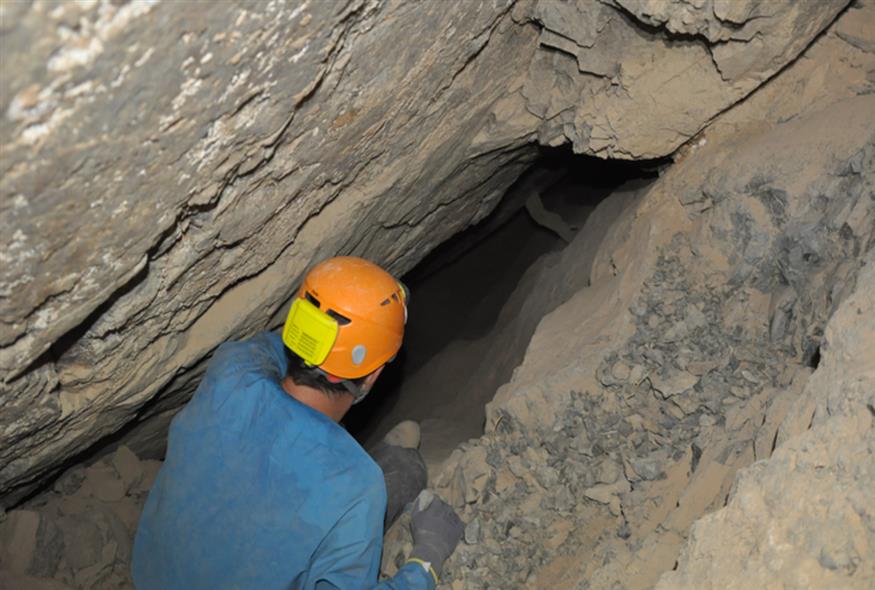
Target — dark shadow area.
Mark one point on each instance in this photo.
(812, 357)
(460, 291)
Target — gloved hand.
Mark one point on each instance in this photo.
(436, 530)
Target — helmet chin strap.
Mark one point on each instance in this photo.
(358, 392)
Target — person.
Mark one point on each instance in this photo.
(262, 487)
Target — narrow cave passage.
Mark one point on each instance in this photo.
(476, 302)
(477, 299)
(701, 415)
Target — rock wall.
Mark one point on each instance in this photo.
(169, 172)
(805, 516)
(725, 330)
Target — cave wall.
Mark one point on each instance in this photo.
(824, 469)
(168, 171)
(705, 421)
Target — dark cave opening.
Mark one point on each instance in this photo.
(478, 297)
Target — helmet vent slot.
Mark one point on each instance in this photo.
(312, 299)
(307, 343)
(341, 319)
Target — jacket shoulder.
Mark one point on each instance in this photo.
(356, 470)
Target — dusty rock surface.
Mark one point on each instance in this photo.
(702, 350)
(806, 516)
(715, 52)
(168, 172)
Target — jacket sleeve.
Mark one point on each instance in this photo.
(349, 556)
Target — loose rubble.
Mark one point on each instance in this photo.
(79, 535)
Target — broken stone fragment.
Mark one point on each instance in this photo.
(102, 482)
(674, 384)
(18, 540)
(398, 543)
(70, 481)
(558, 533)
(700, 368)
(606, 493)
(674, 411)
(563, 500)
(475, 489)
(677, 332)
(504, 479)
(128, 514)
(749, 376)
(515, 464)
(621, 371)
(546, 476)
(739, 392)
(687, 402)
(636, 374)
(706, 420)
(608, 472)
(695, 318)
(83, 541)
(614, 506)
(128, 466)
(472, 532)
(475, 473)
(647, 468)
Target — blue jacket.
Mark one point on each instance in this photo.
(260, 491)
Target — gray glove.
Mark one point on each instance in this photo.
(436, 530)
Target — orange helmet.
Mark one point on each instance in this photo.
(348, 318)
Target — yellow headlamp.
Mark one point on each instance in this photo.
(309, 332)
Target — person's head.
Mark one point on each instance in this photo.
(345, 324)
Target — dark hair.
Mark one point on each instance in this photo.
(301, 374)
